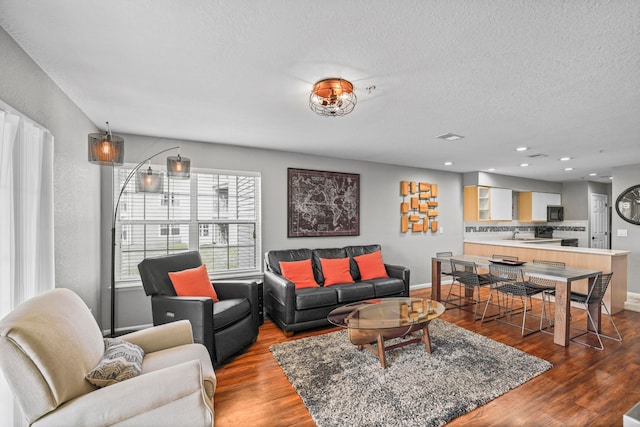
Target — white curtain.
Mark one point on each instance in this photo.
(26, 223)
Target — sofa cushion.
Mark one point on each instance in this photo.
(229, 311)
(315, 297)
(326, 253)
(387, 286)
(193, 282)
(354, 292)
(299, 272)
(273, 258)
(354, 251)
(121, 360)
(336, 271)
(371, 266)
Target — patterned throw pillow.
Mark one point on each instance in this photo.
(121, 361)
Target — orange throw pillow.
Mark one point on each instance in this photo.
(371, 266)
(335, 270)
(193, 282)
(299, 272)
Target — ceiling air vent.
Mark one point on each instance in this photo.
(450, 136)
(537, 156)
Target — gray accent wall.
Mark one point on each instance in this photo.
(623, 178)
(25, 87)
(379, 206)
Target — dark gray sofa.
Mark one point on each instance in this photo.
(300, 309)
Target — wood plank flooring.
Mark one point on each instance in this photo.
(586, 387)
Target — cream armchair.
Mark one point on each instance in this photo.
(49, 343)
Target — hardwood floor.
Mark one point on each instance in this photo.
(586, 387)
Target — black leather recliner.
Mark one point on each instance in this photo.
(227, 327)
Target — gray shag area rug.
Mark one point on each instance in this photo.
(342, 386)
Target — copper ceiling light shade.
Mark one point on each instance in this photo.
(332, 97)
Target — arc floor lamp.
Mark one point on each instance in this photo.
(106, 149)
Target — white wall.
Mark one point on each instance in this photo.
(379, 206)
(25, 87)
(623, 178)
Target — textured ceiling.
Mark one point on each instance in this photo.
(561, 77)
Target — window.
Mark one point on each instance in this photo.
(215, 213)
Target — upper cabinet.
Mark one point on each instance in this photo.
(487, 204)
(532, 206)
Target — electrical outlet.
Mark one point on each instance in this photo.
(622, 233)
(441, 230)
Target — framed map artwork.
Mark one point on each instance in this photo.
(322, 203)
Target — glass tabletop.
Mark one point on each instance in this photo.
(386, 313)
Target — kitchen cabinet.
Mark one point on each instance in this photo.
(532, 205)
(487, 204)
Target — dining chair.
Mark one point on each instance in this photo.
(595, 297)
(445, 267)
(465, 274)
(548, 287)
(508, 283)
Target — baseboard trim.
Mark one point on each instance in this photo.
(633, 302)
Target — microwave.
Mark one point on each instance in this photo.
(555, 213)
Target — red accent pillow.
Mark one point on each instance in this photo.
(299, 272)
(371, 266)
(335, 270)
(193, 282)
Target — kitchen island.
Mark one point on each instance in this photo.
(605, 260)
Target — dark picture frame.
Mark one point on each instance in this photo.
(322, 203)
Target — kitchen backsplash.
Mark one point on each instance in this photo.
(498, 230)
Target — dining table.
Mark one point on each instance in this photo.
(563, 276)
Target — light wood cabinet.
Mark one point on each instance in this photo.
(532, 205)
(487, 204)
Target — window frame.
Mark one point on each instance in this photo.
(193, 222)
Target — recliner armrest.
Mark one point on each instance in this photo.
(236, 289)
(197, 310)
(138, 399)
(162, 337)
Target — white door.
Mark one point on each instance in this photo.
(599, 221)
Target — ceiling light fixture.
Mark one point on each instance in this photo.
(568, 169)
(565, 159)
(332, 97)
(593, 174)
(450, 136)
(522, 148)
(524, 165)
(448, 163)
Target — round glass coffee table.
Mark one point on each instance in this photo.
(372, 322)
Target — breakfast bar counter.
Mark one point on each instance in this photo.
(605, 260)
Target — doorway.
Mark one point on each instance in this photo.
(599, 229)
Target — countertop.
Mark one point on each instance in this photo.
(540, 244)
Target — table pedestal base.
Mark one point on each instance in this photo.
(374, 339)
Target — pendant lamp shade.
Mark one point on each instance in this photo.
(149, 181)
(178, 167)
(106, 149)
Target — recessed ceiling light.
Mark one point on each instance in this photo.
(522, 148)
(568, 169)
(524, 164)
(491, 169)
(450, 136)
(564, 159)
(593, 174)
(610, 177)
(448, 163)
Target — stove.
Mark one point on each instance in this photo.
(543, 231)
